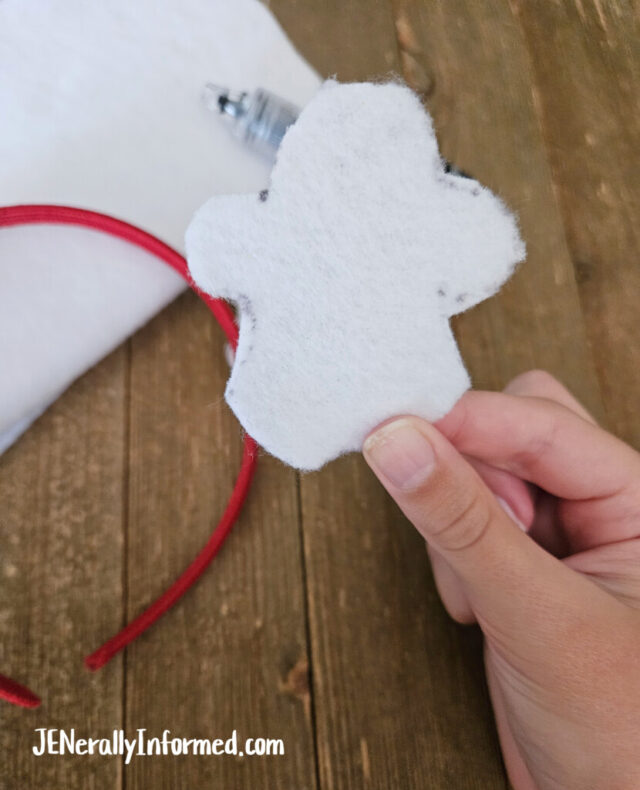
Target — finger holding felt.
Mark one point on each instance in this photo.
(541, 384)
(546, 529)
(542, 442)
(594, 475)
(514, 587)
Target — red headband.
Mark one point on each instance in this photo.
(64, 215)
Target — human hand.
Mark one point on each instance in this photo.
(531, 513)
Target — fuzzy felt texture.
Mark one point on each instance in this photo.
(346, 272)
(100, 107)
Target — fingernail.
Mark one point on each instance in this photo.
(400, 453)
(509, 511)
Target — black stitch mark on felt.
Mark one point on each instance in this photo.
(246, 308)
(455, 171)
(263, 195)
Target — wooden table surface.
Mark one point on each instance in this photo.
(319, 623)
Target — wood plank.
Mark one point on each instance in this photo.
(398, 689)
(232, 654)
(586, 58)
(61, 579)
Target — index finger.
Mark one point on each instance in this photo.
(543, 442)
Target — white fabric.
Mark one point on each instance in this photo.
(346, 274)
(100, 108)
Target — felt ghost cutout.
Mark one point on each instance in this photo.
(346, 271)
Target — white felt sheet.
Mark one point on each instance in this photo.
(100, 108)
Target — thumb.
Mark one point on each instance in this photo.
(514, 587)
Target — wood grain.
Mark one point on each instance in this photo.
(232, 654)
(586, 58)
(61, 489)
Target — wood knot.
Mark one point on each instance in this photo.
(584, 271)
(297, 686)
(416, 75)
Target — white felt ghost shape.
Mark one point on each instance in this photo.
(346, 272)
